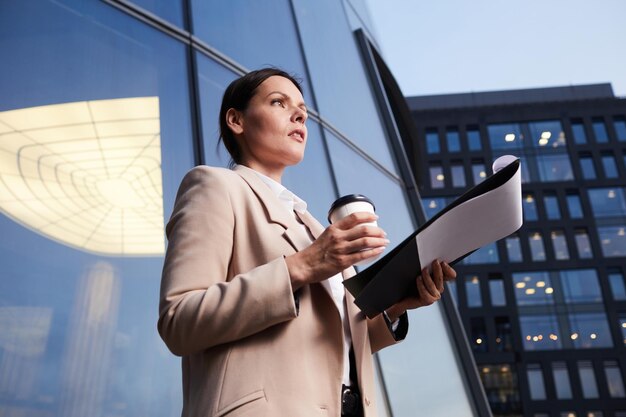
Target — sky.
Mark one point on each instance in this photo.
(461, 46)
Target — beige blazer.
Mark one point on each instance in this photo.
(228, 309)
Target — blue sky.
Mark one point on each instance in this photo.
(453, 46)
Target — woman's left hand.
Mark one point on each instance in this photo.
(429, 287)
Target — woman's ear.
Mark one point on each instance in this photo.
(234, 120)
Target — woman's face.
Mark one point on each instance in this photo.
(272, 131)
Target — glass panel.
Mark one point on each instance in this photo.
(554, 168)
(559, 244)
(620, 128)
(488, 254)
(327, 37)
(437, 179)
(587, 380)
(432, 142)
(581, 286)
(478, 334)
(496, 291)
(607, 202)
(433, 206)
(590, 330)
(458, 176)
(213, 19)
(583, 245)
(609, 166)
(622, 325)
(614, 379)
(472, 290)
(98, 103)
(529, 207)
(478, 172)
(562, 384)
(533, 288)
(453, 141)
(501, 387)
(599, 131)
(551, 204)
(504, 338)
(535, 382)
(574, 206)
(506, 136)
(514, 249)
(548, 134)
(473, 139)
(587, 167)
(168, 10)
(451, 286)
(540, 332)
(612, 240)
(618, 289)
(537, 250)
(578, 129)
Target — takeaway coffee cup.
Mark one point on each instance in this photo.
(349, 204)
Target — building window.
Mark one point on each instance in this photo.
(533, 288)
(578, 130)
(496, 291)
(559, 244)
(472, 291)
(609, 166)
(514, 249)
(562, 384)
(574, 206)
(458, 175)
(548, 134)
(501, 388)
(616, 282)
(589, 330)
(614, 379)
(595, 414)
(619, 123)
(580, 286)
(506, 136)
(607, 202)
(453, 141)
(473, 139)
(537, 249)
(583, 245)
(488, 254)
(436, 176)
(551, 204)
(432, 142)
(540, 332)
(479, 334)
(433, 206)
(599, 131)
(622, 325)
(587, 167)
(535, 381)
(612, 240)
(587, 380)
(554, 168)
(568, 414)
(504, 339)
(529, 207)
(478, 172)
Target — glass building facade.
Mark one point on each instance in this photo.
(104, 106)
(544, 309)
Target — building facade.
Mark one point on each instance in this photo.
(544, 309)
(104, 106)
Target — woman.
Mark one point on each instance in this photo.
(251, 293)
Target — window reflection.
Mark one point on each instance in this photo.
(612, 240)
(587, 378)
(533, 288)
(581, 286)
(535, 382)
(488, 254)
(540, 332)
(548, 134)
(505, 136)
(433, 205)
(554, 168)
(562, 384)
(589, 330)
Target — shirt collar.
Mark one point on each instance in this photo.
(287, 198)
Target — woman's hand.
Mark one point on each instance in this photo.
(429, 287)
(340, 246)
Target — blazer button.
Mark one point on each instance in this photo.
(367, 401)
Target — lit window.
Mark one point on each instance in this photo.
(458, 175)
(540, 332)
(537, 249)
(533, 288)
(583, 245)
(590, 330)
(514, 249)
(559, 245)
(472, 291)
(607, 202)
(612, 240)
(529, 207)
(436, 176)
(478, 172)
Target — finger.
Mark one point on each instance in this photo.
(425, 298)
(359, 256)
(448, 272)
(429, 284)
(359, 231)
(354, 219)
(437, 275)
(362, 244)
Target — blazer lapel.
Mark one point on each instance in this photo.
(275, 211)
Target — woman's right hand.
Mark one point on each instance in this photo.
(340, 246)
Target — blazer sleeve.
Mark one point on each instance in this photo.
(199, 307)
(381, 333)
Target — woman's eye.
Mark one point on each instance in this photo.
(277, 101)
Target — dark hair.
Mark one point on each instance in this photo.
(237, 96)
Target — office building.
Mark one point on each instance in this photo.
(104, 106)
(544, 309)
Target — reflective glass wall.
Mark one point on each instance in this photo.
(104, 107)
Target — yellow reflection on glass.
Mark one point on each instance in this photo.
(86, 174)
